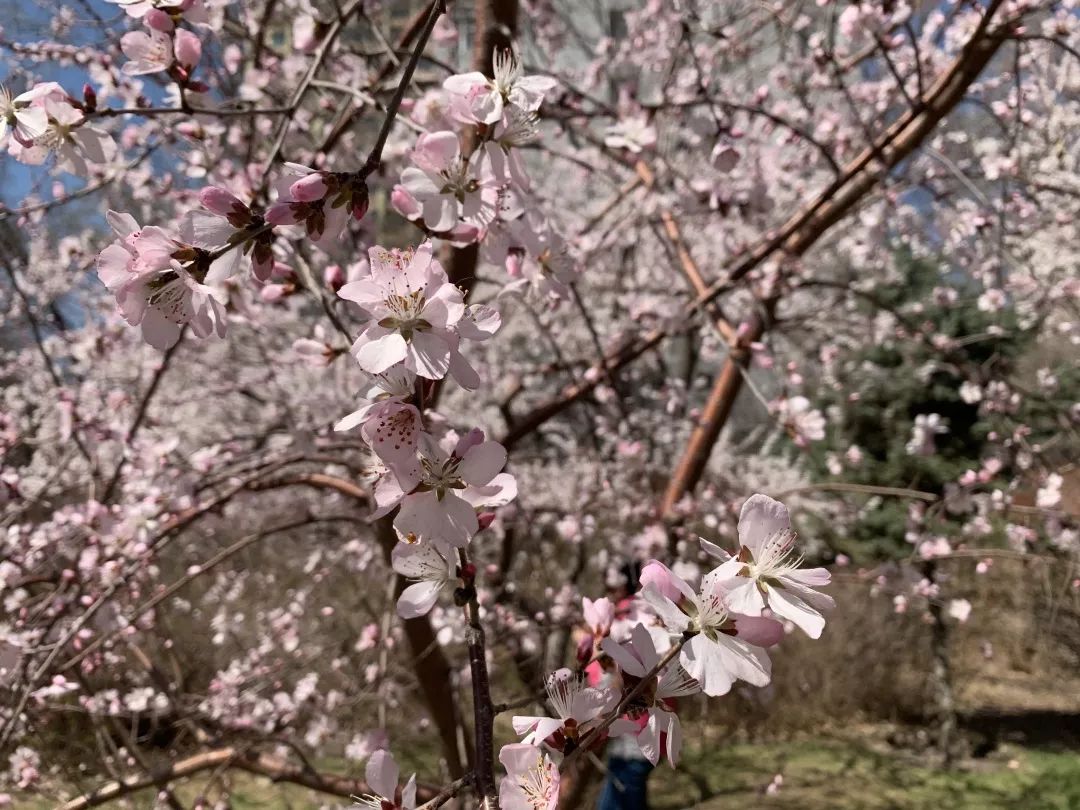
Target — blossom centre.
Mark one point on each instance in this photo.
(439, 476)
(775, 558)
(456, 180)
(405, 311)
(536, 784)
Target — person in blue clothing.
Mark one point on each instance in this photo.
(626, 784)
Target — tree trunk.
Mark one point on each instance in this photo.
(940, 675)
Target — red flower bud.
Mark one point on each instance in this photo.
(89, 98)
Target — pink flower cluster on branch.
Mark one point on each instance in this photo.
(685, 641)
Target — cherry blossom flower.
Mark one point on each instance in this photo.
(413, 311)
(662, 733)
(194, 11)
(503, 152)
(153, 289)
(75, 143)
(960, 609)
(531, 781)
(149, 52)
(187, 48)
(382, 777)
(599, 615)
(631, 134)
(430, 571)
(446, 187)
(390, 426)
(544, 269)
(20, 117)
(394, 385)
(441, 509)
(766, 574)
(804, 421)
(486, 98)
(724, 647)
(575, 706)
(926, 427)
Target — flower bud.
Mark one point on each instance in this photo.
(158, 20)
(405, 203)
(360, 202)
(334, 277)
(660, 577)
(309, 188)
(281, 213)
(220, 201)
(272, 293)
(262, 261)
(485, 519)
(188, 48)
(584, 650)
(89, 98)
(191, 129)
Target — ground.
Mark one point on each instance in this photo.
(849, 772)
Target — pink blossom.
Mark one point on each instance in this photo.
(324, 219)
(723, 647)
(309, 188)
(631, 134)
(599, 615)
(382, 777)
(75, 143)
(766, 574)
(20, 117)
(484, 98)
(149, 52)
(575, 705)
(159, 21)
(187, 48)
(531, 781)
(429, 571)
(662, 580)
(446, 186)
(445, 487)
(662, 733)
(413, 313)
(153, 289)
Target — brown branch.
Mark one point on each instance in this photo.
(891, 148)
(432, 669)
(274, 768)
(812, 221)
(483, 711)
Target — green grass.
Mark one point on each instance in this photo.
(825, 774)
(839, 775)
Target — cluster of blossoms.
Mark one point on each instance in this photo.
(468, 182)
(414, 321)
(46, 121)
(164, 45)
(479, 197)
(680, 641)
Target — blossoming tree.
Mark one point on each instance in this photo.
(265, 477)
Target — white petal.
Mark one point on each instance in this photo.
(787, 604)
(761, 517)
(383, 352)
(482, 462)
(418, 599)
(382, 774)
